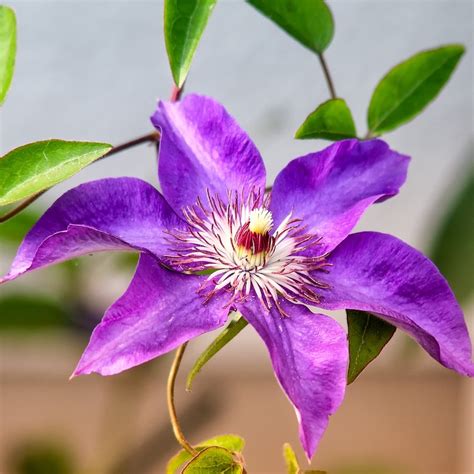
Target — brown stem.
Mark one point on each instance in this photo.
(150, 137)
(170, 399)
(327, 75)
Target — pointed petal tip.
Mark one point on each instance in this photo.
(310, 443)
(87, 369)
(6, 278)
(309, 453)
(77, 372)
(413, 295)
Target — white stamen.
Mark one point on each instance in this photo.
(281, 270)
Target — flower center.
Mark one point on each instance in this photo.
(233, 241)
(253, 239)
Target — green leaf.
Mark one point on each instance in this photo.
(453, 245)
(332, 120)
(230, 442)
(213, 460)
(367, 337)
(7, 49)
(410, 86)
(221, 340)
(30, 313)
(308, 21)
(32, 168)
(292, 464)
(185, 21)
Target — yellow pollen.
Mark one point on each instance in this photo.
(261, 221)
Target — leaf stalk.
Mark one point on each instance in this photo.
(327, 76)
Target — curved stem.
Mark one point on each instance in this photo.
(170, 399)
(327, 75)
(149, 137)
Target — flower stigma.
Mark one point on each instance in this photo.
(253, 240)
(234, 240)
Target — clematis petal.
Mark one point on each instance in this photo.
(329, 190)
(108, 214)
(309, 354)
(202, 147)
(159, 311)
(381, 274)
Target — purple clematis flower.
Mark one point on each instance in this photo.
(272, 256)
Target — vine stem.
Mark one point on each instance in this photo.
(170, 399)
(327, 75)
(149, 137)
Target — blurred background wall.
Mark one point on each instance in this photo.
(93, 70)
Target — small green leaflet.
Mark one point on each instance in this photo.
(308, 21)
(292, 464)
(410, 86)
(332, 120)
(7, 49)
(222, 339)
(32, 168)
(453, 245)
(367, 336)
(184, 24)
(213, 460)
(230, 442)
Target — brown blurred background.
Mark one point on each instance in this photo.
(93, 70)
